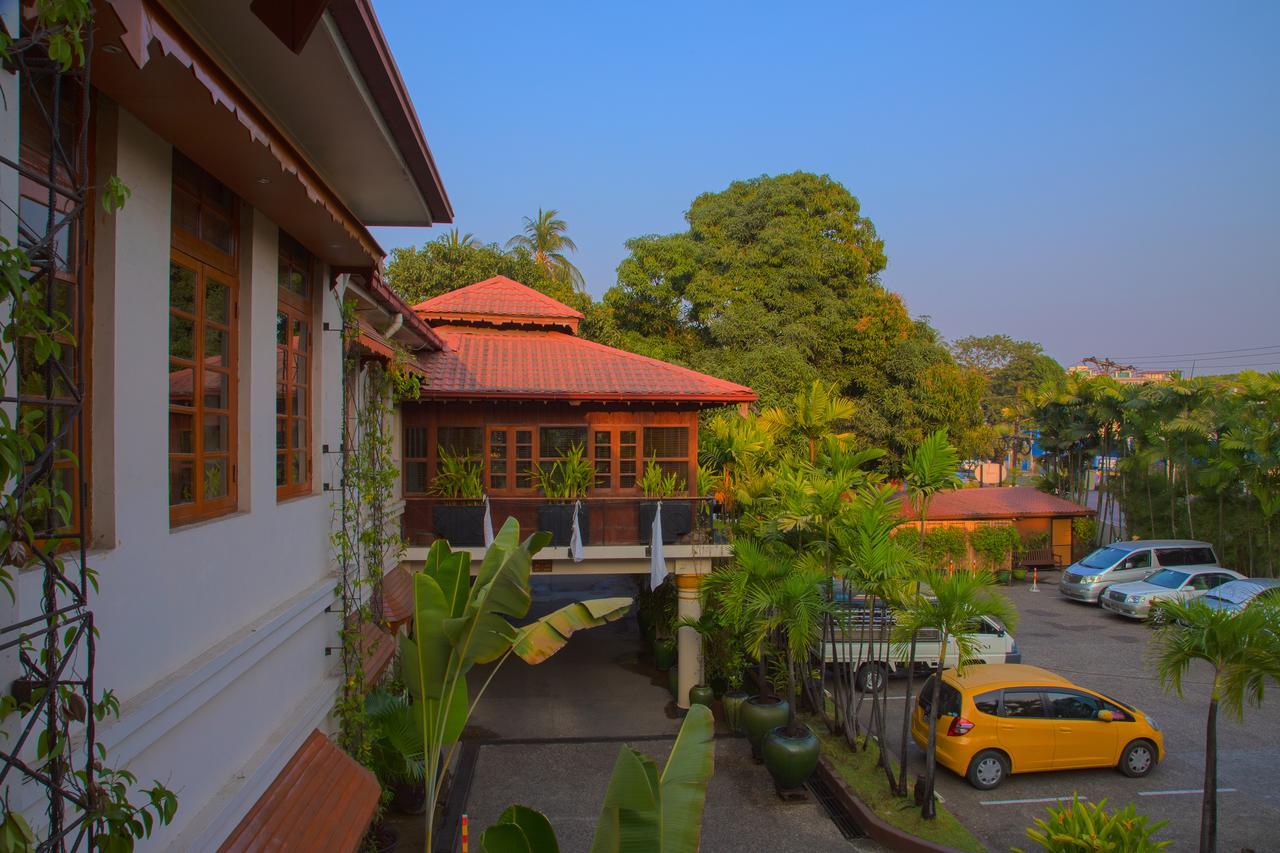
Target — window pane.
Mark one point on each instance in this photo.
(215, 478)
(415, 442)
(216, 390)
(680, 469)
(181, 385)
(186, 213)
(301, 340)
(282, 329)
(281, 355)
(182, 337)
(988, 703)
(215, 347)
(215, 433)
(298, 470)
(299, 401)
(1073, 706)
(217, 304)
(1022, 703)
(282, 394)
(181, 481)
(298, 438)
(280, 468)
(556, 441)
(182, 288)
(300, 370)
(216, 231)
(415, 477)
(666, 442)
(461, 441)
(181, 436)
(282, 433)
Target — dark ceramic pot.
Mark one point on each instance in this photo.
(409, 799)
(732, 701)
(701, 694)
(718, 685)
(790, 758)
(677, 519)
(557, 519)
(664, 653)
(760, 715)
(458, 524)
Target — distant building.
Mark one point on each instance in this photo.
(1124, 374)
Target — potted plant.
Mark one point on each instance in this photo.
(661, 607)
(659, 486)
(791, 612)
(708, 627)
(732, 702)
(458, 478)
(564, 483)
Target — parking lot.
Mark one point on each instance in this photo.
(1107, 653)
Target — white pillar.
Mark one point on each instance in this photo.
(688, 606)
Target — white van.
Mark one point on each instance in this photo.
(1124, 562)
(867, 654)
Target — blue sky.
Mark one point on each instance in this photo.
(1103, 178)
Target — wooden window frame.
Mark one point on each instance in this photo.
(295, 308)
(190, 251)
(688, 460)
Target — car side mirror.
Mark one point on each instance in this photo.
(1000, 632)
(1106, 716)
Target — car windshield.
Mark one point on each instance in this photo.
(1236, 592)
(1168, 578)
(1103, 558)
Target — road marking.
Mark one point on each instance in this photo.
(1184, 791)
(1023, 802)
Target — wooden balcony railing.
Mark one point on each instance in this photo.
(601, 520)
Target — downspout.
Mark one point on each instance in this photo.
(396, 322)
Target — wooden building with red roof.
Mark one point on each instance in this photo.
(514, 386)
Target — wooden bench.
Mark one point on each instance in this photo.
(1039, 558)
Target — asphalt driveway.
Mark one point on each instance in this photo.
(1106, 652)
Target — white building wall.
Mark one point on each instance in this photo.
(213, 635)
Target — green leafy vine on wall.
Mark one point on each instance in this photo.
(364, 538)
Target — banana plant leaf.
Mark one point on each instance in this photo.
(539, 640)
(520, 829)
(644, 812)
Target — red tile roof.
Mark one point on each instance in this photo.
(490, 363)
(1008, 502)
(496, 301)
(322, 800)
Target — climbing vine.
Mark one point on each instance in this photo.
(55, 699)
(365, 539)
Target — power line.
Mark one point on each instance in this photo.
(1240, 357)
(1190, 354)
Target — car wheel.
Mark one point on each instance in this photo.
(1138, 759)
(1157, 617)
(987, 769)
(870, 677)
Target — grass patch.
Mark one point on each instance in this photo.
(861, 773)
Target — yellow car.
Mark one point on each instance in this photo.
(998, 719)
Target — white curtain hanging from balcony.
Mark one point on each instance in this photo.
(575, 540)
(657, 562)
(488, 523)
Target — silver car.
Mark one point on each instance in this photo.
(1135, 599)
(1122, 562)
(1235, 596)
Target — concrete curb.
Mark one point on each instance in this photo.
(876, 828)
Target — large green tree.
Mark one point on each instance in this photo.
(1009, 365)
(775, 284)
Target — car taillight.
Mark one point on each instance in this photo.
(959, 726)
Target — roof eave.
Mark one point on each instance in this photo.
(359, 28)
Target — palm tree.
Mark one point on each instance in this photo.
(956, 607)
(816, 412)
(1243, 650)
(454, 240)
(791, 614)
(544, 238)
(755, 569)
(931, 467)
